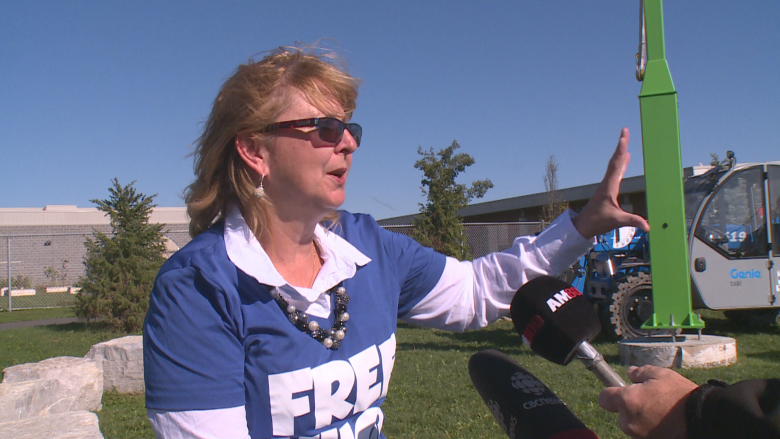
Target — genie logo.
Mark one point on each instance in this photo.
(746, 274)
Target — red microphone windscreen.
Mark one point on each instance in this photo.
(553, 318)
(582, 433)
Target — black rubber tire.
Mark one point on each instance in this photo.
(630, 305)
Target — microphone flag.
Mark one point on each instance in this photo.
(553, 318)
(522, 405)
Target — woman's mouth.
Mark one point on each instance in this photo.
(339, 174)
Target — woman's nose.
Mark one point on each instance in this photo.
(347, 143)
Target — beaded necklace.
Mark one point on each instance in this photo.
(332, 338)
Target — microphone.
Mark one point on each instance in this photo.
(557, 322)
(521, 404)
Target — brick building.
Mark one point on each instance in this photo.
(46, 245)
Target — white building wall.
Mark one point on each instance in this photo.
(53, 237)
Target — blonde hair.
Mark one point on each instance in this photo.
(248, 103)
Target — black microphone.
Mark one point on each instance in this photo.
(557, 322)
(521, 404)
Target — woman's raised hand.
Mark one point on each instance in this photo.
(603, 213)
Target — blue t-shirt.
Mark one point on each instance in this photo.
(215, 338)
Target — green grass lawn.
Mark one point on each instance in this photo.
(123, 416)
(431, 394)
(38, 300)
(24, 315)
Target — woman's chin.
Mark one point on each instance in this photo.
(337, 199)
(331, 204)
(336, 205)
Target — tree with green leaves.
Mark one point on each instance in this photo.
(555, 205)
(714, 159)
(439, 225)
(121, 267)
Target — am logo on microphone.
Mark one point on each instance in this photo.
(561, 297)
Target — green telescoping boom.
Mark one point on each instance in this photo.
(663, 179)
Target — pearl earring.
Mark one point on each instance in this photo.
(260, 192)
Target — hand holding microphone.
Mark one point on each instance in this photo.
(521, 404)
(654, 406)
(557, 322)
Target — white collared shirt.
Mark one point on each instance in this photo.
(341, 260)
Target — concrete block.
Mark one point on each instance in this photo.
(31, 399)
(122, 362)
(69, 425)
(54, 385)
(24, 292)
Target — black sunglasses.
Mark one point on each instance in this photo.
(329, 129)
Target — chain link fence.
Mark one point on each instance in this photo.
(43, 268)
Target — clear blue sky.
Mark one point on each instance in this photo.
(92, 90)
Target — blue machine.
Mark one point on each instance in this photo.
(733, 225)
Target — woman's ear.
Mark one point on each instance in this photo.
(251, 153)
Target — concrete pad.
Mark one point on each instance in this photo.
(24, 292)
(685, 351)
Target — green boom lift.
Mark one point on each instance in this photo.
(663, 178)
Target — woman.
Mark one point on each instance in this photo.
(279, 318)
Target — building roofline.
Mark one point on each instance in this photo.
(70, 215)
(627, 186)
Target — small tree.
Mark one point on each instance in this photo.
(439, 225)
(714, 159)
(555, 205)
(54, 276)
(121, 268)
(18, 282)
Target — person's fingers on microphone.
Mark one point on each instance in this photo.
(626, 424)
(610, 398)
(644, 373)
(629, 402)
